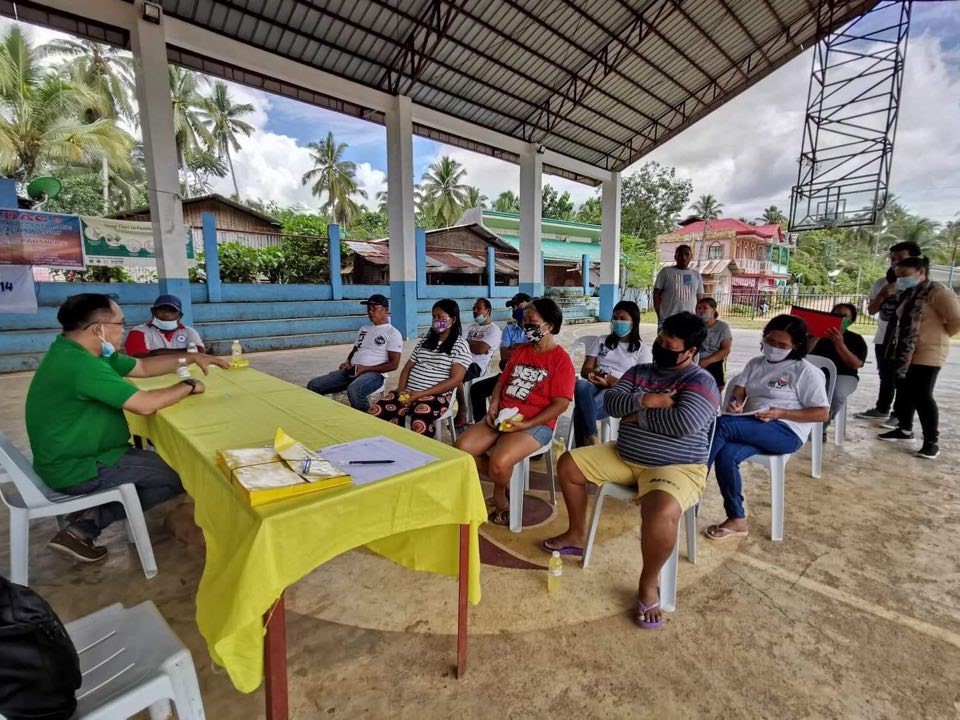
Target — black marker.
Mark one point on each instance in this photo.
(370, 462)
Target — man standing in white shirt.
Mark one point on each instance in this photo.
(678, 288)
(483, 337)
(375, 353)
(883, 303)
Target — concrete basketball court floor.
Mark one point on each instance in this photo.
(855, 614)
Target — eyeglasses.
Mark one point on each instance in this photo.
(121, 323)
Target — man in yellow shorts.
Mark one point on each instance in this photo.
(667, 410)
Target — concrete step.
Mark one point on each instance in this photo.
(282, 342)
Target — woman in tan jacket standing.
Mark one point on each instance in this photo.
(927, 316)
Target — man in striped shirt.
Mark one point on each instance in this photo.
(667, 410)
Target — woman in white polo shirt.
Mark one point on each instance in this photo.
(607, 359)
(775, 403)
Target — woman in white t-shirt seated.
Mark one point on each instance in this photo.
(435, 369)
(607, 359)
(776, 400)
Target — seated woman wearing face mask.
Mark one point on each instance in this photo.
(775, 402)
(607, 359)
(538, 381)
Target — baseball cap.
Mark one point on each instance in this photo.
(169, 301)
(376, 299)
(517, 299)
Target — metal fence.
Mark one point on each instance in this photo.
(765, 305)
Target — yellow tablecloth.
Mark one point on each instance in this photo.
(253, 554)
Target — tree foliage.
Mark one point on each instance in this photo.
(651, 201)
(556, 205)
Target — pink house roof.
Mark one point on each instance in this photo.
(771, 232)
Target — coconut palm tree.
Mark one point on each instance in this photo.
(106, 70)
(914, 228)
(773, 216)
(335, 177)
(507, 202)
(707, 208)
(475, 199)
(190, 133)
(382, 202)
(43, 122)
(224, 120)
(444, 194)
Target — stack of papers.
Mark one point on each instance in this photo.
(356, 454)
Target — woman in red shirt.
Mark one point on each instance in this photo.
(538, 381)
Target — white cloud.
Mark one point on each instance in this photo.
(370, 180)
(745, 153)
(269, 166)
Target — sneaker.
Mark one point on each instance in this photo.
(871, 414)
(891, 422)
(895, 435)
(79, 548)
(929, 451)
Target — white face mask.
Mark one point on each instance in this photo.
(774, 354)
(166, 325)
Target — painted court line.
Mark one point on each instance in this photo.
(857, 603)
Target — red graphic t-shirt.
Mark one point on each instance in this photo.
(532, 380)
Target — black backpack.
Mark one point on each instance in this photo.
(39, 667)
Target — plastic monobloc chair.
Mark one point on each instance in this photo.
(131, 660)
(35, 500)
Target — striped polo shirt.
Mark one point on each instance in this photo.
(432, 367)
(665, 436)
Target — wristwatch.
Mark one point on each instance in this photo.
(191, 382)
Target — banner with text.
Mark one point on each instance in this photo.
(28, 237)
(126, 243)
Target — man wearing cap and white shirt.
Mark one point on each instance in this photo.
(483, 337)
(164, 334)
(375, 353)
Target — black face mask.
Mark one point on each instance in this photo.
(665, 358)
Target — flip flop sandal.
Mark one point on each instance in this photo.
(571, 550)
(643, 610)
(491, 503)
(727, 533)
(499, 517)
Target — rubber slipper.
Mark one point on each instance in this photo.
(571, 550)
(643, 610)
(727, 533)
(499, 517)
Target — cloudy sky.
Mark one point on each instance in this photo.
(743, 153)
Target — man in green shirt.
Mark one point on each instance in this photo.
(75, 420)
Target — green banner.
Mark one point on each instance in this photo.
(126, 243)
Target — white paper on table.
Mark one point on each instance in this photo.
(375, 448)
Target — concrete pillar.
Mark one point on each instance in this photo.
(211, 256)
(400, 220)
(585, 274)
(491, 271)
(8, 193)
(333, 261)
(420, 236)
(160, 155)
(609, 245)
(531, 206)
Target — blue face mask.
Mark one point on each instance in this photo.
(907, 283)
(621, 328)
(106, 347)
(479, 319)
(518, 314)
(166, 325)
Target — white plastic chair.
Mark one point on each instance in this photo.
(816, 441)
(776, 465)
(466, 392)
(579, 345)
(670, 569)
(520, 481)
(36, 500)
(448, 418)
(131, 660)
(840, 425)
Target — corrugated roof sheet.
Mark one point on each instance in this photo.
(603, 81)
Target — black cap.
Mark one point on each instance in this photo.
(376, 299)
(517, 299)
(169, 301)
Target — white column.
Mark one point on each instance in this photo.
(609, 245)
(160, 155)
(531, 206)
(400, 217)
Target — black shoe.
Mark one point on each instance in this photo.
(894, 435)
(871, 414)
(929, 451)
(891, 422)
(77, 547)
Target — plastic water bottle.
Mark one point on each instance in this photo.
(192, 348)
(237, 352)
(182, 370)
(554, 573)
